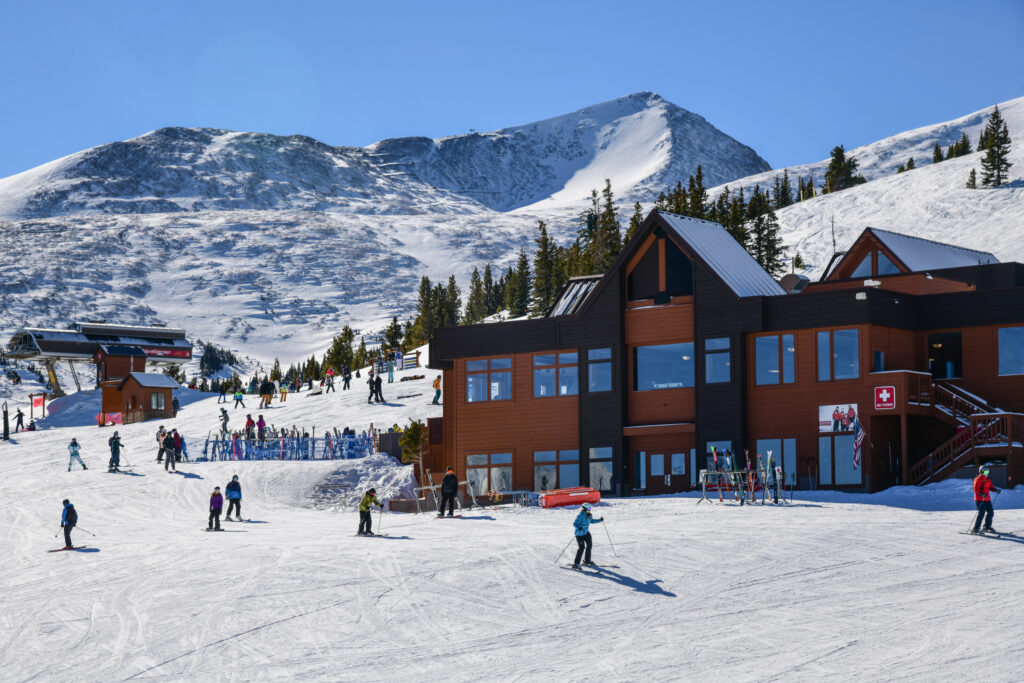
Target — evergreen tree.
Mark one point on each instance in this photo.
(392, 335)
(964, 146)
(425, 321)
(492, 302)
(476, 302)
(696, 195)
(544, 271)
(901, 168)
(735, 224)
(798, 262)
(995, 164)
(517, 290)
(972, 180)
(361, 356)
(910, 164)
(452, 302)
(340, 352)
(413, 442)
(763, 227)
(936, 154)
(786, 197)
(841, 173)
(609, 233)
(634, 222)
(275, 373)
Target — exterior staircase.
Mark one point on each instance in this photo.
(983, 433)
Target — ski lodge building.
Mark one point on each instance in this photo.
(903, 364)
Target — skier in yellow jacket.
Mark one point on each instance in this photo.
(369, 498)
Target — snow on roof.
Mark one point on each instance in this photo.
(153, 379)
(724, 255)
(919, 254)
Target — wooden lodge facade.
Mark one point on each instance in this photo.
(903, 364)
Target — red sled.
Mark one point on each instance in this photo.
(574, 496)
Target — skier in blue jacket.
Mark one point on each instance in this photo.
(583, 538)
(68, 521)
(234, 491)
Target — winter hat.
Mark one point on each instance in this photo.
(234, 478)
(73, 440)
(67, 502)
(115, 433)
(216, 488)
(450, 469)
(373, 491)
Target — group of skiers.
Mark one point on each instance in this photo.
(171, 448)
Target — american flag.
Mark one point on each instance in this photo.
(858, 439)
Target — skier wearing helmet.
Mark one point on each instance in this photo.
(583, 538)
(115, 453)
(369, 498)
(982, 486)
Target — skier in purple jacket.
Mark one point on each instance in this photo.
(216, 505)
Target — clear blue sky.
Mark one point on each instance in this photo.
(790, 79)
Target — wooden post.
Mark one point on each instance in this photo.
(904, 457)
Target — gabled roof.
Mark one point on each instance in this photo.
(724, 255)
(155, 380)
(919, 254)
(574, 294)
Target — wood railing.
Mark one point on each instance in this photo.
(958, 404)
(985, 429)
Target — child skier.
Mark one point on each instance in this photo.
(583, 538)
(982, 486)
(238, 399)
(234, 491)
(115, 453)
(216, 505)
(68, 520)
(369, 498)
(73, 448)
(437, 390)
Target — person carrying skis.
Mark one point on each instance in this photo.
(365, 522)
(169, 453)
(115, 453)
(19, 421)
(73, 448)
(583, 538)
(216, 505)
(449, 489)
(234, 491)
(982, 487)
(68, 521)
(437, 390)
(238, 399)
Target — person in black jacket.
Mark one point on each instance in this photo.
(378, 381)
(169, 453)
(449, 489)
(68, 520)
(115, 453)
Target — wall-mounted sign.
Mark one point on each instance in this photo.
(885, 398)
(837, 417)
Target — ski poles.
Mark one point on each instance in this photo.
(564, 549)
(610, 544)
(85, 530)
(380, 518)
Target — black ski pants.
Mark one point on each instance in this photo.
(330, 388)
(448, 498)
(214, 522)
(365, 521)
(239, 402)
(586, 542)
(115, 460)
(67, 535)
(169, 461)
(236, 505)
(160, 454)
(984, 510)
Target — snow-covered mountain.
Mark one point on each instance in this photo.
(270, 244)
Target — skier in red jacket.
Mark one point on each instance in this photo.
(982, 487)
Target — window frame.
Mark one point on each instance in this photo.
(489, 372)
(1019, 329)
(602, 460)
(489, 467)
(714, 354)
(560, 458)
(785, 360)
(600, 362)
(833, 357)
(560, 360)
(692, 362)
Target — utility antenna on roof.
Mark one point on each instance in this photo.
(833, 234)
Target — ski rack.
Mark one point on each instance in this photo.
(436, 487)
(723, 480)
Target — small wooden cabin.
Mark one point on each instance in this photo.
(140, 396)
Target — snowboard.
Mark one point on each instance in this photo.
(75, 547)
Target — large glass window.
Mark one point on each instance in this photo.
(640, 470)
(825, 460)
(842, 454)
(666, 366)
(838, 355)
(863, 269)
(642, 281)
(487, 472)
(600, 461)
(657, 464)
(489, 380)
(556, 469)
(157, 401)
(717, 361)
(679, 463)
(599, 370)
(1011, 350)
(678, 271)
(555, 374)
(886, 266)
(774, 359)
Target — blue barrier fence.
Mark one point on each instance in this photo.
(327, 447)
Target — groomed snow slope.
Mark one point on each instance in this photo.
(850, 587)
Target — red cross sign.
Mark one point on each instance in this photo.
(885, 398)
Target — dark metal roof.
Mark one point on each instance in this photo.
(121, 350)
(154, 380)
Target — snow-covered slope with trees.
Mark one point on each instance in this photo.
(929, 201)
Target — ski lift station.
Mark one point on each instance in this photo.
(98, 343)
